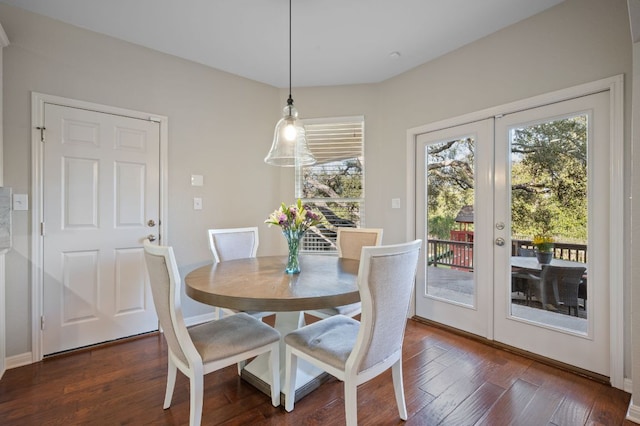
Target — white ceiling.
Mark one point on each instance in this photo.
(334, 41)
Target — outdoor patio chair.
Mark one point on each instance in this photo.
(520, 279)
(557, 286)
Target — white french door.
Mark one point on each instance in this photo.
(466, 277)
(577, 133)
(454, 168)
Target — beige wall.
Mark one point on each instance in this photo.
(576, 42)
(221, 125)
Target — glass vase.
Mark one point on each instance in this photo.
(293, 242)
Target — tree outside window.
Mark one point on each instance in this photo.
(335, 184)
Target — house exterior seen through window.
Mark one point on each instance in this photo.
(335, 184)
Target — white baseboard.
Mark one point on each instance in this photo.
(26, 358)
(633, 413)
(628, 385)
(18, 360)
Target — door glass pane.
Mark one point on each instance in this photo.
(549, 223)
(450, 222)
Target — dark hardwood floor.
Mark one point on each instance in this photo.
(449, 380)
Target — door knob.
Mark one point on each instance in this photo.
(500, 241)
(151, 237)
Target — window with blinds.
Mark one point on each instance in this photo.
(335, 184)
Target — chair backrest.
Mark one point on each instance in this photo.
(525, 252)
(351, 240)
(386, 280)
(564, 281)
(165, 288)
(233, 243)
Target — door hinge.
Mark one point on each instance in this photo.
(42, 322)
(42, 129)
(42, 229)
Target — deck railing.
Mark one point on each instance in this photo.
(455, 254)
(565, 251)
(459, 254)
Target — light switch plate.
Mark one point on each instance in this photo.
(197, 180)
(20, 202)
(395, 203)
(197, 203)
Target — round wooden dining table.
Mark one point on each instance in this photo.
(260, 284)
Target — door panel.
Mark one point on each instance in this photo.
(548, 330)
(455, 213)
(101, 187)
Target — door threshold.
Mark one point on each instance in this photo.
(108, 343)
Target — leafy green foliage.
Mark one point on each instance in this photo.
(335, 183)
(548, 180)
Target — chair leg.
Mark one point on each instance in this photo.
(241, 365)
(351, 403)
(171, 382)
(274, 369)
(196, 397)
(396, 373)
(291, 368)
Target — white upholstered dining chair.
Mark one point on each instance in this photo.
(207, 347)
(231, 244)
(350, 242)
(357, 351)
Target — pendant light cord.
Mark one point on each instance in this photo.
(290, 100)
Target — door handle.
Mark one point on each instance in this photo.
(500, 241)
(151, 237)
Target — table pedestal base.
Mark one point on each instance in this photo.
(308, 377)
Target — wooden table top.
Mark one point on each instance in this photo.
(260, 284)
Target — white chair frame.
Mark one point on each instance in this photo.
(180, 342)
(345, 234)
(220, 255)
(344, 237)
(353, 374)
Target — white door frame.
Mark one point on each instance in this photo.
(4, 42)
(615, 86)
(38, 101)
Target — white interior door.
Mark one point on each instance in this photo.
(100, 200)
(454, 199)
(575, 136)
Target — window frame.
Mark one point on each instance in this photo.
(299, 184)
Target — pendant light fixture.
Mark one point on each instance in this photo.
(289, 147)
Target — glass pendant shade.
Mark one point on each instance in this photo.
(289, 147)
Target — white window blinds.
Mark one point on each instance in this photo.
(336, 141)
